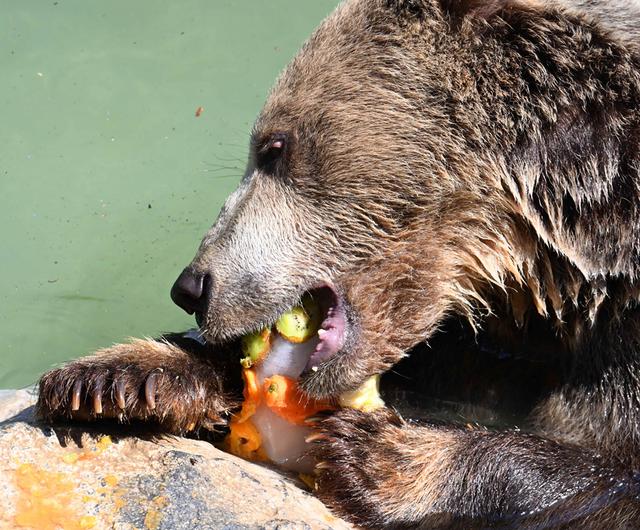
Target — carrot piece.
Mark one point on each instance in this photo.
(252, 396)
(245, 441)
(251, 388)
(282, 395)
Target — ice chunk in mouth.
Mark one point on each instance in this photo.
(272, 422)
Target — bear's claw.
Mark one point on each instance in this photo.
(119, 393)
(150, 386)
(81, 391)
(75, 395)
(149, 381)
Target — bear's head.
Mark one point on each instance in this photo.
(381, 179)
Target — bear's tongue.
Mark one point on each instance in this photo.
(293, 359)
(332, 330)
(330, 339)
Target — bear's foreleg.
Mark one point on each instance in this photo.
(382, 472)
(175, 382)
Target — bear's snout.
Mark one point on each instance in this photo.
(191, 291)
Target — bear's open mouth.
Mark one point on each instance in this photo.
(330, 337)
(332, 330)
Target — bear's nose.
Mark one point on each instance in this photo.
(188, 291)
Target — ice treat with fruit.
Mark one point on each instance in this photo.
(271, 424)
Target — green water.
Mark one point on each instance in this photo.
(107, 179)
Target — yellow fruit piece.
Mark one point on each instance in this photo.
(255, 346)
(301, 322)
(365, 398)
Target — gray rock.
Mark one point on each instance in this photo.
(76, 477)
(12, 402)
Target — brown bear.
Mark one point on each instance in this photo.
(459, 179)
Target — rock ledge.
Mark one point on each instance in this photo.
(74, 478)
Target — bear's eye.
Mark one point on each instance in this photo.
(271, 151)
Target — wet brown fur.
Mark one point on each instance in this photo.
(469, 158)
(189, 393)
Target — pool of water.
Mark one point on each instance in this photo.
(107, 178)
